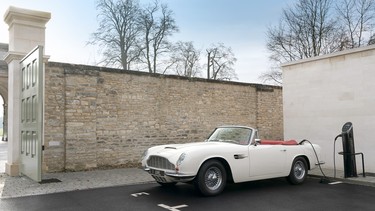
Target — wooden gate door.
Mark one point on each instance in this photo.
(32, 114)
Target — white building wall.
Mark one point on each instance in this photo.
(321, 94)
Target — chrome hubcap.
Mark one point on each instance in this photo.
(213, 178)
(299, 170)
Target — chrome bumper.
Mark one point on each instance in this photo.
(161, 175)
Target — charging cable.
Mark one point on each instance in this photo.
(325, 178)
(334, 155)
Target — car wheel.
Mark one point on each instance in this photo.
(167, 184)
(298, 172)
(211, 178)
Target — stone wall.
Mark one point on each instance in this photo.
(104, 118)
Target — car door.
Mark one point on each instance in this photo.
(238, 158)
(267, 161)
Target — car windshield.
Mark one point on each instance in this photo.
(236, 135)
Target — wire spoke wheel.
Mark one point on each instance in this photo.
(211, 178)
(298, 171)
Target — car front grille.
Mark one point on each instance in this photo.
(159, 179)
(160, 163)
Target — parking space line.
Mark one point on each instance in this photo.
(175, 208)
(335, 183)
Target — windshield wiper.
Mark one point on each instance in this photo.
(231, 141)
(216, 140)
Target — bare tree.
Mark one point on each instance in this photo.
(158, 24)
(118, 32)
(220, 62)
(306, 29)
(185, 59)
(371, 40)
(358, 18)
(315, 27)
(272, 76)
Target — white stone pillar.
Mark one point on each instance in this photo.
(26, 31)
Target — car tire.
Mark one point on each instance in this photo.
(298, 172)
(211, 178)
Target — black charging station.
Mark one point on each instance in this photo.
(347, 136)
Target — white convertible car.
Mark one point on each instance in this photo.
(230, 154)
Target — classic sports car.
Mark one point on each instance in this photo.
(230, 154)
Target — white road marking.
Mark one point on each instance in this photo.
(175, 208)
(139, 194)
(335, 183)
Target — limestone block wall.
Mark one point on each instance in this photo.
(270, 112)
(104, 118)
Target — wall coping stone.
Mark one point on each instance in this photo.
(331, 55)
(80, 69)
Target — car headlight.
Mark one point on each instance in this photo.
(181, 159)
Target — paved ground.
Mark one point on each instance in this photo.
(22, 186)
(274, 194)
(3, 155)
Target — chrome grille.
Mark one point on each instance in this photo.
(159, 179)
(160, 163)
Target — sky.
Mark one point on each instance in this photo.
(239, 24)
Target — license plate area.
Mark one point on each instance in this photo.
(157, 172)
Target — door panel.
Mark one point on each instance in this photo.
(267, 160)
(32, 114)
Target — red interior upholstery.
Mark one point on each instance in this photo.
(290, 142)
(278, 142)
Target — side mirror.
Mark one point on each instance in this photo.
(257, 141)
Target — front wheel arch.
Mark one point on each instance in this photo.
(211, 178)
(226, 166)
